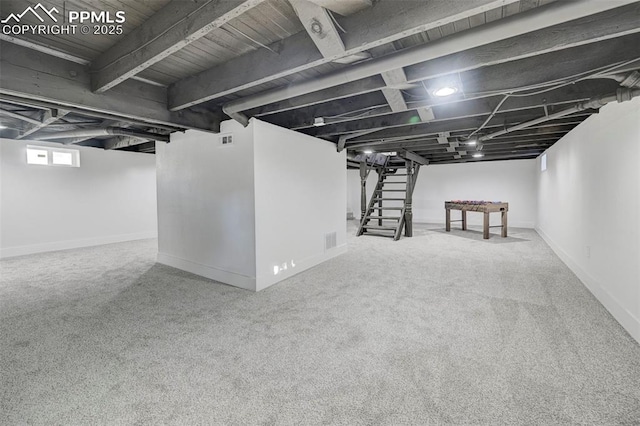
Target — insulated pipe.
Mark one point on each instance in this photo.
(620, 96)
(104, 131)
(631, 79)
(553, 14)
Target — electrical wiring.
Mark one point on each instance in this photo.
(493, 113)
(335, 21)
(571, 80)
(250, 38)
(561, 83)
(367, 110)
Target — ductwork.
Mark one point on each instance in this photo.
(622, 95)
(632, 80)
(553, 14)
(626, 80)
(104, 131)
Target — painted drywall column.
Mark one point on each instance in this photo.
(206, 211)
(588, 204)
(110, 198)
(511, 181)
(301, 192)
(236, 212)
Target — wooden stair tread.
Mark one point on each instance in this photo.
(375, 234)
(383, 217)
(386, 228)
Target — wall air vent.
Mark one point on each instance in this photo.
(330, 241)
(225, 139)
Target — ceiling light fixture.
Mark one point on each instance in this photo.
(472, 141)
(478, 155)
(445, 91)
(2, 126)
(319, 121)
(368, 151)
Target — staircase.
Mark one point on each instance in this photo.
(389, 209)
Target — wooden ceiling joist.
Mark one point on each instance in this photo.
(170, 29)
(37, 76)
(48, 118)
(353, 110)
(608, 25)
(383, 25)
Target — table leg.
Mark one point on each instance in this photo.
(464, 220)
(448, 220)
(504, 224)
(485, 228)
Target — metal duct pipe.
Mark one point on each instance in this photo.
(48, 105)
(104, 131)
(553, 14)
(621, 95)
(631, 79)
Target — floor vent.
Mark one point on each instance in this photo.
(330, 241)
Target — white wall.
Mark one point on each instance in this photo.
(353, 191)
(511, 181)
(110, 198)
(206, 222)
(301, 192)
(588, 204)
(232, 213)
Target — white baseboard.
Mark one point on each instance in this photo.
(213, 273)
(7, 252)
(301, 265)
(627, 319)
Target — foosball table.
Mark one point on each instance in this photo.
(484, 207)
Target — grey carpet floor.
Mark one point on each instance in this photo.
(442, 328)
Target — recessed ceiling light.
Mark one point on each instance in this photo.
(445, 91)
(477, 155)
(472, 141)
(368, 151)
(2, 126)
(319, 121)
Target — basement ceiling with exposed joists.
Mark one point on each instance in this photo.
(367, 75)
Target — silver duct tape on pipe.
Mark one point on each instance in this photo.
(105, 131)
(621, 95)
(553, 14)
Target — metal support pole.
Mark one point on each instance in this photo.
(363, 189)
(408, 213)
(379, 171)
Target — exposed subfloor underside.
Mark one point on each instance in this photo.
(441, 328)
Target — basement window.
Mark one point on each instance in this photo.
(543, 162)
(37, 156)
(47, 156)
